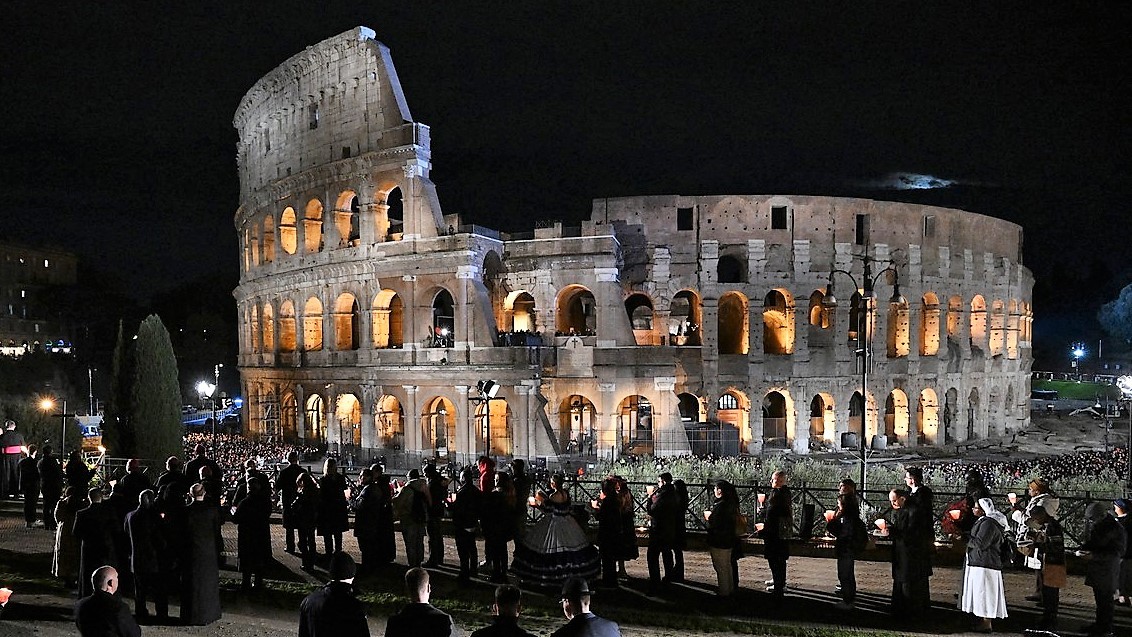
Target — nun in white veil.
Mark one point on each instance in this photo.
(982, 593)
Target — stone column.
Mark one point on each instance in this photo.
(378, 214)
(467, 427)
(667, 426)
(301, 412)
(369, 431)
(413, 420)
(523, 433)
(609, 407)
(333, 435)
(463, 320)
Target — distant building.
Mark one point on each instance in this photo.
(28, 321)
(373, 322)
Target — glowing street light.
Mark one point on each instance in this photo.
(47, 405)
(206, 389)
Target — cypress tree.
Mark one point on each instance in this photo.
(116, 434)
(155, 405)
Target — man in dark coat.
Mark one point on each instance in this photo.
(921, 507)
(11, 450)
(133, 483)
(367, 516)
(28, 472)
(253, 538)
(778, 526)
(505, 614)
(50, 484)
(522, 484)
(251, 472)
(419, 618)
(192, 468)
(437, 493)
(102, 614)
(663, 510)
(94, 530)
(576, 607)
(147, 545)
(286, 486)
(908, 561)
(465, 509)
(1104, 546)
(200, 595)
(334, 610)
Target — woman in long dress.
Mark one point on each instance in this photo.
(982, 592)
(555, 548)
(65, 565)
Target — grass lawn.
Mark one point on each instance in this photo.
(1077, 391)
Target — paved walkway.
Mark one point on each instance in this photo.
(809, 601)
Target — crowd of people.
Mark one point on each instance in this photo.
(160, 538)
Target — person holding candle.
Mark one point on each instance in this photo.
(555, 547)
(607, 510)
(662, 511)
(982, 590)
(778, 526)
(1041, 495)
(721, 536)
(1121, 507)
(1049, 540)
(898, 525)
(921, 508)
(850, 537)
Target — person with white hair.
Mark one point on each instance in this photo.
(983, 594)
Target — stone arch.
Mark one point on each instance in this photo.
(778, 322)
(256, 340)
(312, 227)
(347, 219)
(289, 416)
(389, 420)
(733, 324)
(734, 408)
(347, 322)
(1013, 329)
(995, 425)
(820, 316)
(898, 336)
(287, 336)
(492, 274)
(896, 417)
(978, 322)
(951, 416)
(973, 426)
(776, 411)
(634, 416)
(578, 428)
(348, 419)
(443, 319)
(268, 327)
(395, 214)
(685, 319)
(860, 410)
(691, 408)
(288, 231)
(576, 311)
(639, 308)
(315, 416)
(927, 417)
(954, 316)
(997, 342)
(519, 307)
(730, 269)
(438, 419)
(253, 245)
(823, 418)
(312, 325)
(268, 239)
(929, 324)
(493, 431)
(388, 320)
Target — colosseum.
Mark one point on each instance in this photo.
(376, 323)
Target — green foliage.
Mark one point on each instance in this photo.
(1072, 390)
(1116, 315)
(155, 397)
(116, 434)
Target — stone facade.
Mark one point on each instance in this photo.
(666, 324)
(28, 277)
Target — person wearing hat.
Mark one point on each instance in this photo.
(1104, 546)
(419, 618)
(576, 607)
(1122, 507)
(334, 610)
(662, 509)
(505, 613)
(1040, 496)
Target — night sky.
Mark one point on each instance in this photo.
(116, 139)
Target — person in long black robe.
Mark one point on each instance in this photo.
(365, 521)
(253, 538)
(50, 484)
(386, 546)
(200, 595)
(147, 544)
(94, 530)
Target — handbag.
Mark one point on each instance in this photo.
(740, 524)
(1054, 575)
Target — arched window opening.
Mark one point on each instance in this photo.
(778, 323)
(954, 316)
(684, 319)
(287, 337)
(733, 409)
(312, 227)
(973, 415)
(312, 325)
(348, 419)
(255, 333)
(898, 337)
(576, 312)
(388, 320)
(316, 418)
(997, 343)
(268, 328)
(856, 419)
(820, 315)
(927, 417)
(929, 325)
(634, 417)
(896, 417)
(822, 420)
(347, 213)
(395, 212)
(253, 244)
(443, 320)
(774, 421)
(733, 324)
(978, 322)
(639, 309)
(268, 239)
(288, 232)
(493, 421)
(730, 269)
(577, 426)
(860, 309)
(691, 409)
(347, 323)
(523, 313)
(389, 420)
(289, 417)
(440, 423)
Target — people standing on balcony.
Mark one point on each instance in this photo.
(778, 527)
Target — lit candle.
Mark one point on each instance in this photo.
(955, 513)
(707, 514)
(1013, 497)
(759, 526)
(882, 524)
(649, 489)
(532, 501)
(5, 593)
(829, 516)
(762, 498)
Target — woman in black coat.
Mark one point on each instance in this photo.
(722, 534)
(607, 510)
(497, 522)
(253, 538)
(304, 511)
(333, 512)
(1104, 546)
(78, 474)
(850, 535)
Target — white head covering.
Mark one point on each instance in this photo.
(988, 507)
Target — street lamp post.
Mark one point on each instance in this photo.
(487, 390)
(48, 404)
(864, 336)
(206, 389)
